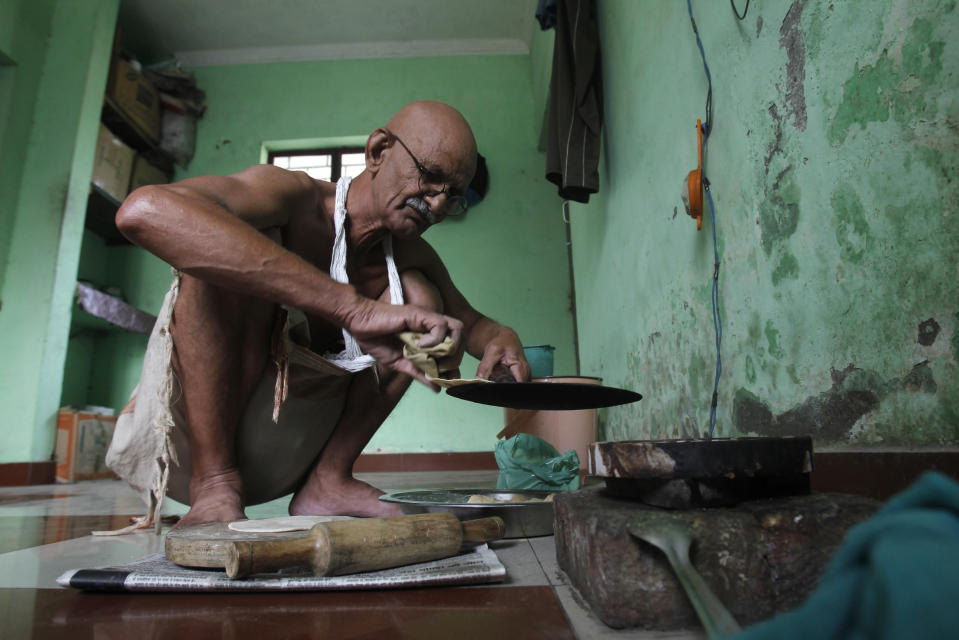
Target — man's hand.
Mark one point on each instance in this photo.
(505, 348)
(375, 325)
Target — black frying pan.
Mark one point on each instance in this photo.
(504, 391)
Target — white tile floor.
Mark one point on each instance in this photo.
(528, 561)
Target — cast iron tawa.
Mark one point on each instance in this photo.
(680, 474)
(544, 396)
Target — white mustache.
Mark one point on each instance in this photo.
(421, 205)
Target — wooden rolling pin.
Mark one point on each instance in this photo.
(353, 546)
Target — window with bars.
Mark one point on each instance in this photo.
(322, 164)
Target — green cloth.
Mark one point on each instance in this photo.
(528, 462)
(895, 576)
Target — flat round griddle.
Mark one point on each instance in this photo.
(692, 473)
(544, 396)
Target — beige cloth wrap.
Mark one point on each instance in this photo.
(425, 357)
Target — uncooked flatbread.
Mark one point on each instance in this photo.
(454, 382)
(478, 498)
(282, 524)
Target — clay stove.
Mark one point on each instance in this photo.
(761, 538)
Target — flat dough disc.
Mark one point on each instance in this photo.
(446, 383)
(282, 524)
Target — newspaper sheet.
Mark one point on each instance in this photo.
(156, 573)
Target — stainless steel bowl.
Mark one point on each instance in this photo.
(522, 519)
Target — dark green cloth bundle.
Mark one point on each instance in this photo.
(895, 576)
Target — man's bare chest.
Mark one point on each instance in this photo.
(312, 240)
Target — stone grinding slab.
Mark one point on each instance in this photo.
(760, 557)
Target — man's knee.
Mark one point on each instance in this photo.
(419, 291)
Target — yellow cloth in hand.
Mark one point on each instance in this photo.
(425, 357)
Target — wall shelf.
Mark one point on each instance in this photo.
(101, 206)
(101, 216)
(133, 135)
(99, 312)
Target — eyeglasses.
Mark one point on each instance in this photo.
(455, 205)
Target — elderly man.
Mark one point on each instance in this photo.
(255, 383)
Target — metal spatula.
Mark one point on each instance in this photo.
(674, 537)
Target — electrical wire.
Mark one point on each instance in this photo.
(745, 10)
(709, 78)
(717, 319)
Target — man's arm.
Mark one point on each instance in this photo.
(209, 227)
(485, 339)
(501, 346)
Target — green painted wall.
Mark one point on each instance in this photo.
(541, 66)
(507, 255)
(103, 365)
(832, 160)
(65, 70)
(78, 373)
(24, 29)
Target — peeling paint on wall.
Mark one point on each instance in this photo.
(833, 416)
(899, 85)
(772, 339)
(779, 214)
(791, 39)
(832, 163)
(852, 229)
(955, 341)
(928, 332)
(788, 267)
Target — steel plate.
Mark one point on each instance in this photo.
(522, 519)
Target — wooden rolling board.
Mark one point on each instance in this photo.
(207, 545)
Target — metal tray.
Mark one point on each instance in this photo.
(522, 519)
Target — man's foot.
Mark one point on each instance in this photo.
(216, 499)
(341, 497)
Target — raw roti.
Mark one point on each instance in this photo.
(454, 382)
(282, 524)
(478, 498)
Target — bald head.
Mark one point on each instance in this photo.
(437, 130)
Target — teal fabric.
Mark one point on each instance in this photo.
(528, 462)
(895, 576)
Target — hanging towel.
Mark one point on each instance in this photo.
(575, 102)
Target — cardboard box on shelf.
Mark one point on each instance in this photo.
(145, 173)
(136, 97)
(112, 164)
(82, 441)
